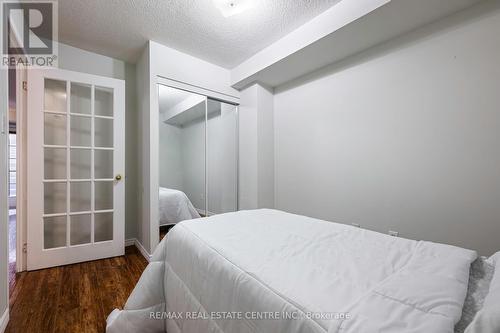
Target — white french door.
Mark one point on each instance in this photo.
(76, 163)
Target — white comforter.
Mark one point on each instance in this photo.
(175, 206)
(328, 277)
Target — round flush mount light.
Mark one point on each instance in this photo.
(232, 7)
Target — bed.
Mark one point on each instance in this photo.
(270, 271)
(175, 206)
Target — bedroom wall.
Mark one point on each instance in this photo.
(256, 148)
(144, 94)
(402, 137)
(248, 175)
(75, 59)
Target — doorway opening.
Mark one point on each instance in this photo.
(12, 173)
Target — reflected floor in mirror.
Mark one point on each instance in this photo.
(164, 229)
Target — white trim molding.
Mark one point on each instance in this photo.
(197, 90)
(4, 320)
(140, 247)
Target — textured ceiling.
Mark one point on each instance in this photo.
(120, 28)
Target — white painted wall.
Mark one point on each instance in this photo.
(248, 175)
(144, 92)
(172, 64)
(403, 137)
(4, 211)
(75, 59)
(256, 148)
(265, 156)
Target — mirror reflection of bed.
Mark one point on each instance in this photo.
(197, 157)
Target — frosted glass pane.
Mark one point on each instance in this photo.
(103, 195)
(54, 232)
(12, 152)
(54, 198)
(103, 132)
(103, 227)
(81, 131)
(80, 229)
(55, 95)
(80, 163)
(54, 129)
(103, 101)
(12, 190)
(80, 98)
(80, 196)
(54, 163)
(103, 163)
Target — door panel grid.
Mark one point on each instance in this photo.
(78, 164)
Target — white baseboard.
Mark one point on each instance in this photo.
(4, 320)
(138, 245)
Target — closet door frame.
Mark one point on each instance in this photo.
(154, 137)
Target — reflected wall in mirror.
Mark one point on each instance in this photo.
(181, 155)
(197, 156)
(221, 157)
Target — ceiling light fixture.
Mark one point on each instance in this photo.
(232, 7)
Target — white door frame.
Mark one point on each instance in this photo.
(38, 257)
(21, 127)
(4, 197)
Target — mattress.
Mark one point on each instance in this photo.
(175, 206)
(270, 271)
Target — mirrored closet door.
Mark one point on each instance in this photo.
(197, 156)
(222, 120)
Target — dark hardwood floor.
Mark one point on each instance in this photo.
(74, 298)
(164, 229)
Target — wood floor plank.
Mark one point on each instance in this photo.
(50, 297)
(90, 313)
(74, 298)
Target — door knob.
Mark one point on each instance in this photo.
(118, 177)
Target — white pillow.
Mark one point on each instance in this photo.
(487, 320)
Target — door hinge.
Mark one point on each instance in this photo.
(25, 86)
(25, 248)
